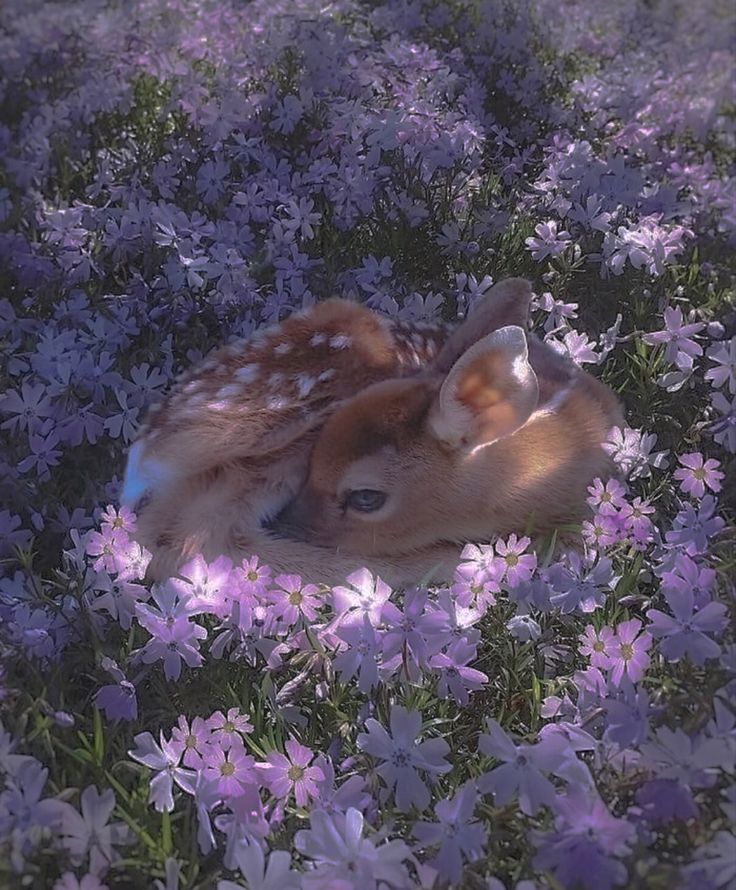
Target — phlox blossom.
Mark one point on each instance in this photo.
(403, 757)
(292, 774)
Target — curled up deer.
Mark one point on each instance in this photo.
(340, 439)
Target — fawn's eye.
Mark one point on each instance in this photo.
(365, 500)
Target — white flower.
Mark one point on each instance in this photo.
(261, 872)
(336, 845)
(88, 832)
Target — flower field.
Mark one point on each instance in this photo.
(177, 174)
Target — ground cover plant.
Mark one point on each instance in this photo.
(177, 173)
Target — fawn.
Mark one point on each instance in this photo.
(340, 439)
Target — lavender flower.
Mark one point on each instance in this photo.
(404, 757)
(459, 837)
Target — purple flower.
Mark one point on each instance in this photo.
(694, 761)
(174, 643)
(724, 428)
(679, 349)
(292, 599)
(118, 700)
(24, 813)
(361, 654)
(581, 851)
(596, 645)
(29, 408)
(522, 769)
(684, 633)
(694, 526)
(190, 742)
(455, 677)
(607, 498)
(117, 597)
(203, 585)
(629, 652)
(285, 775)
(404, 757)
(695, 474)
(664, 800)
(627, 716)
(409, 632)
(460, 838)
(724, 355)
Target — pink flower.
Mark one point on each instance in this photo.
(124, 519)
(291, 599)
(253, 580)
(629, 652)
(227, 731)
(695, 474)
(191, 741)
(204, 585)
(519, 568)
(285, 775)
(602, 531)
(607, 498)
(108, 546)
(231, 771)
(596, 645)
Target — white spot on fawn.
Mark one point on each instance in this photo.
(248, 373)
(232, 389)
(305, 383)
(341, 341)
(283, 348)
(318, 340)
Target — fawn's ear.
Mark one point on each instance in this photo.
(506, 303)
(489, 392)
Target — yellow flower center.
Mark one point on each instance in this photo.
(511, 560)
(227, 768)
(295, 597)
(627, 651)
(295, 773)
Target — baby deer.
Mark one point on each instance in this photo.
(340, 439)
(499, 434)
(230, 444)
